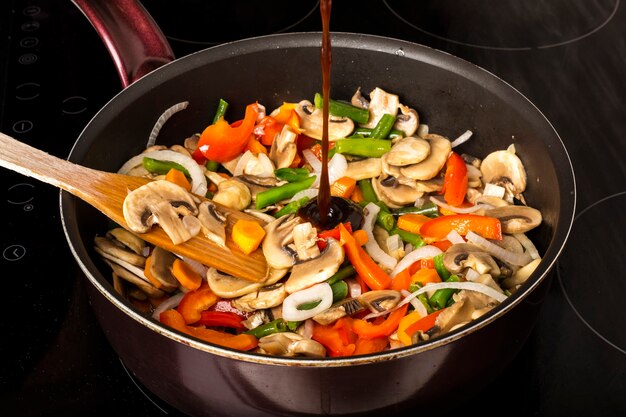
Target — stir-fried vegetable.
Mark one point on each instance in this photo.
(421, 246)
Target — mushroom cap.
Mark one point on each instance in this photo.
(408, 151)
(440, 149)
(316, 270)
(506, 169)
(395, 195)
(381, 103)
(283, 150)
(312, 118)
(408, 121)
(139, 204)
(516, 219)
(279, 234)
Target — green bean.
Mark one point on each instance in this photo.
(384, 218)
(276, 326)
(156, 166)
(293, 325)
(343, 273)
(441, 297)
(443, 273)
(408, 237)
(340, 290)
(366, 147)
(366, 132)
(273, 195)
(221, 110)
(429, 209)
(212, 165)
(343, 109)
(422, 297)
(292, 207)
(292, 174)
(383, 127)
(369, 195)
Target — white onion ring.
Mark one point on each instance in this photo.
(312, 160)
(309, 192)
(417, 304)
(241, 163)
(198, 180)
(354, 288)
(530, 247)
(427, 251)
(454, 237)
(470, 286)
(321, 291)
(372, 247)
(164, 118)
(460, 210)
(171, 302)
(471, 274)
(519, 259)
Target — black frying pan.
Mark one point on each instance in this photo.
(450, 94)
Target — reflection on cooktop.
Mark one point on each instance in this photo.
(210, 23)
(479, 23)
(588, 272)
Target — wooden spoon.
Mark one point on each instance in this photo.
(106, 191)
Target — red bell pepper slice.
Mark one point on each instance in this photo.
(365, 346)
(338, 338)
(423, 324)
(374, 277)
(175, 320)
(195, 302)
(455, 180)
(222, 142)
(439, 227)
(367, 330)
(334, 233)
(221, 319)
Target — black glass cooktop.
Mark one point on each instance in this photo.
(567, 57)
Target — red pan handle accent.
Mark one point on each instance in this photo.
(131, 36)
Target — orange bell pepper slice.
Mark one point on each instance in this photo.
(423, 324)
(195, 302)
(402, 280)
(365, 346)
(455, 180)
(175, 320)
(338, 338)
(369, 330)
(368, 270)
(405, 322)
(439, 227)
(222, 142)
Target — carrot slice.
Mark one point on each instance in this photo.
(412, 222)
(248, 235)
(178, 178)
(184, 273)
(343, 187)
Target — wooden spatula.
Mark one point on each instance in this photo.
(106, 192)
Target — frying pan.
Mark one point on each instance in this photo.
(451, 96)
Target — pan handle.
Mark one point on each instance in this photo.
(131, 36)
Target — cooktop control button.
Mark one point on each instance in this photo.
(22, 126)
(14, 253)
(74, 105)
(27, 91)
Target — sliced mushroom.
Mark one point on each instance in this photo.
(316, 270)
(259, 165)
(278, 235)
(161, 262)
(284, 149)
(457, 314)
(381, 103)
(364, 168)
(460, 256)
(119, 251)
(290, 344)
(345, 307)
(234, 194)
(516, 219)
(159, 202)
(227, 286)
(213, 222)
(132, 278)
(504, 168)
(440, 149)
(191, 143)
(393, 194)
(127, 239)
(521, 275)
(358, 100)
(257, 184)
(380, 300)
(265, 297)
(408, 151)
(407, 121)
(311, 122)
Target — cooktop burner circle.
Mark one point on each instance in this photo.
(590, 270)
(210, 23)
(480, 23)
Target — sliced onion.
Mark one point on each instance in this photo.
(198, 180)
(423, 252)
(460, 210)
(493, 190)
(471, 274)
(354, 288)
(241, 164)
(519, 259)
(372, 247)
(195, 265)
(530, 247)
(171, 302)
(417, 304)
(309, 192)
(422, 130)
(470, 286)
(454, 237)
(312, 160)
(473, 173)
(337, 167)
(321, 292)
(461, 139)
(307, 328)
(126, 265)
(164, 118)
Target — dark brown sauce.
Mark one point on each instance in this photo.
(323, 198)
(326, 212)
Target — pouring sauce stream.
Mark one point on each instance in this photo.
(323, 198)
